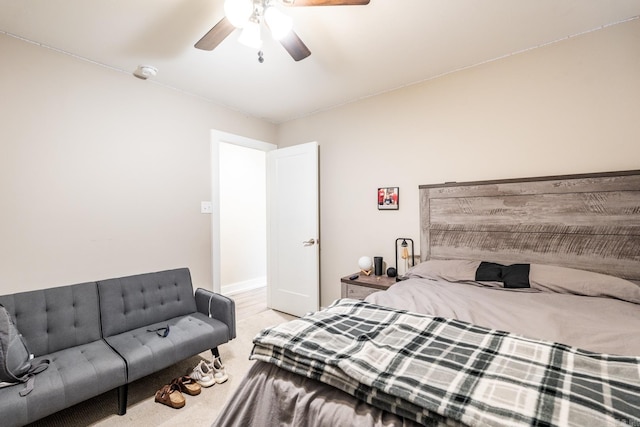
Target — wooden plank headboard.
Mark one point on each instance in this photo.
(587, 221)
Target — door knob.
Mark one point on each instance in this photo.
(309, 242)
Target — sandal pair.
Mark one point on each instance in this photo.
(171, 394)
(187, 385)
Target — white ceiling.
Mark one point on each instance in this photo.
(357, 51)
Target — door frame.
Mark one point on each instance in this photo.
(218, 137)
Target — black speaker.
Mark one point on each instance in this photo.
(377, 265)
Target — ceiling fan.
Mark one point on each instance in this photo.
(248, 15)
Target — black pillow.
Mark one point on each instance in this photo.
(516, 276)
(489, 272)
(513, 276)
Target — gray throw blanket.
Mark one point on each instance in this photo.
(440, 371)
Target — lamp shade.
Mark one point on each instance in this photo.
(279, 23)
(250, 35)
(238, 12)
(365, 263)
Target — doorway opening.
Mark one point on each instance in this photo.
(243, 219)
(239, 220)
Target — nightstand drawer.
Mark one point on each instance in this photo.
(359, 286)
(356, 292)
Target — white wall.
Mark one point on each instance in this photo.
(570, 107)
(243, 216)
(101, 173)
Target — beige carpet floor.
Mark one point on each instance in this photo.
(199, 410)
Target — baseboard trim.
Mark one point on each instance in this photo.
(244, 286)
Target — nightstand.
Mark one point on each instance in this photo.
(364, 285)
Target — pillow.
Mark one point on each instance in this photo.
(564, 280)
(514, 276)
(465, 271)
(489, 271)
(545, 278)
(453, 270)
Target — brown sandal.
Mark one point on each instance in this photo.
(188, 385)
(170, 395)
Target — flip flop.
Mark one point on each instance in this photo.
(187, 385)
(170, 395)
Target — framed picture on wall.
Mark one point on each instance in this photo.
(388, 198)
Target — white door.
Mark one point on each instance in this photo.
(293, 229)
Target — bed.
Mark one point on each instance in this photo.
(524, 310)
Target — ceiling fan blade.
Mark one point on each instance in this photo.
(216, 35)
(325, 2)
(295, 46)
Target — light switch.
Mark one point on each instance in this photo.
(206, 207)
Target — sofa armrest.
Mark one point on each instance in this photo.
(217, 306)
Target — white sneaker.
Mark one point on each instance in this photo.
(219, 374)
(203, 374)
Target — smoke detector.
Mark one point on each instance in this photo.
(145, 71)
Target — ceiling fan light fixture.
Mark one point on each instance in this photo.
(279, 23)
(249, 15)
(238, 12)
(250, 35)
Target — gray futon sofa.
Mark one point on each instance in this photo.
(101, 335)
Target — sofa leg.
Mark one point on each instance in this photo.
(122, 399)
(215, 352)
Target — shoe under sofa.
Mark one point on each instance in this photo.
(100, 336)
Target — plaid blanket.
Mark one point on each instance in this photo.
(440, 371)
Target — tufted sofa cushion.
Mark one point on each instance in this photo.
(56, 318)
(74, 375)
(138, 301)
(146, 352)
